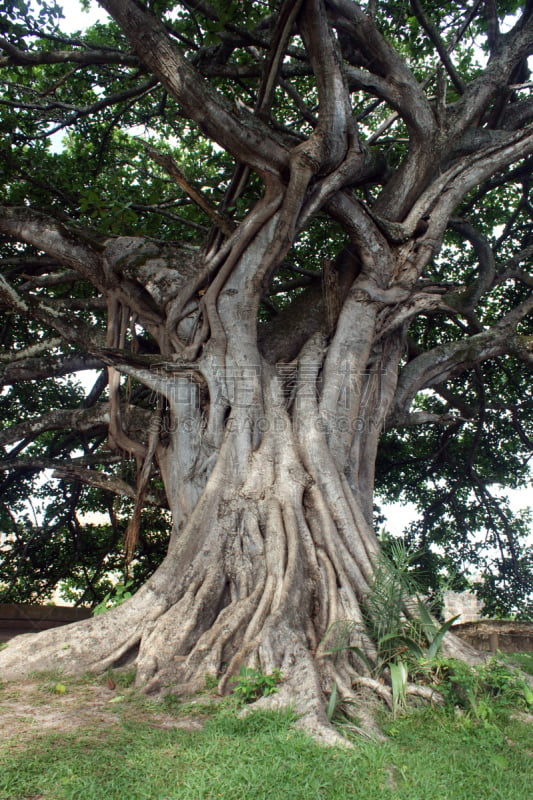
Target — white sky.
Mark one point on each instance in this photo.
(77, 19)
(399, 515)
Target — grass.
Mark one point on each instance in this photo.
(524, 661)
(429, 755)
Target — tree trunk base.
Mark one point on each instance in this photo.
(124, 634)
(275, 555)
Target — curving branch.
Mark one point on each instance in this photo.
(434, 36)
(286, 18)
(76, 471)
(395, 83)
(236, 129)
(448, 189)
(100, 480)
(416, 418)
(335, 126)
(45, 346)
(71, 247)
(31, 369)
(513, 48)
(166, 161)
(90, 57)
(84, 253)
(79, 112)
(80, 419)
(71, 329)
(467, 300)
(453, 358)
(383, 62)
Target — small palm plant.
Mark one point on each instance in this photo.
(400, 637)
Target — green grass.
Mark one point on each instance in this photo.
(429, 755)
(524, 661)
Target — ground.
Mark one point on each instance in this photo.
(38, 705)
(66, 738)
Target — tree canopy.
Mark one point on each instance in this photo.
(166, 125)
(98, 142)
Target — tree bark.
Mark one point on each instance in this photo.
(268, 472)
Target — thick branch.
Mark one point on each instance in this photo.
(453, 358)
(282, 338)
(415, 418)
(17, 57)
(286, 17)
(72, 329)
(31, 369)
(448, 189)
(34, 350)
(83, 419)
(512, 48)
(469, 299)
(70, 247)
(334, 117)
(75, 471)
(236, 130)
(383, 61)
(169, 165)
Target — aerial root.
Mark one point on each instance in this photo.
(379, 688)
(425, 692)
(209, 652)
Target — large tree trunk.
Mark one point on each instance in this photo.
(276, 550)
(266, 434)
(268, 470)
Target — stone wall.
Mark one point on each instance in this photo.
(25, 618)
(465, 604)
(492, 635)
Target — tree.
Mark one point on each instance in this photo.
(297, 253)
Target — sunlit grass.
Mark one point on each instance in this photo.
(524, 661)
(429, 755)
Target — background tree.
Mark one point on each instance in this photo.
(276, 229)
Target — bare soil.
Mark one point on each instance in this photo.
(38, 705)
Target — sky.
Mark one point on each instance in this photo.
(77, 19)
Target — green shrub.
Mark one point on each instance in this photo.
(118, 595)
(481, 691)
(251, 684)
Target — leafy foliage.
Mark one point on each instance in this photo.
(483, 691)
(119, 593)
(251, 684)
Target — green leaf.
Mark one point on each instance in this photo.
(399, 675)
(398, 639)
(332, 703)
(434, 647)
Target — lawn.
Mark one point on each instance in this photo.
(100, 740)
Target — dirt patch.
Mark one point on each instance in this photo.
(31, 708)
